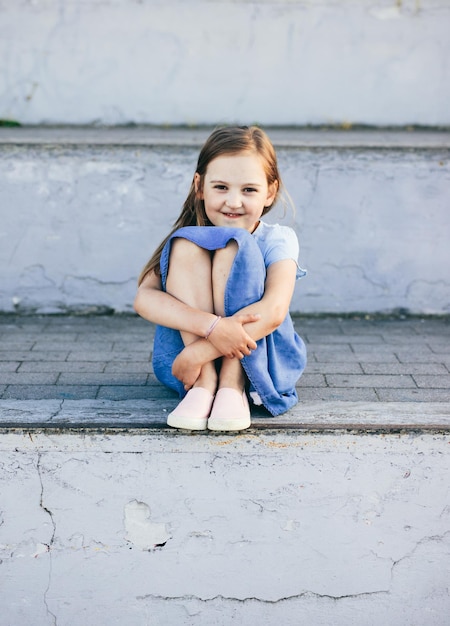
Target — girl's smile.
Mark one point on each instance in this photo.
(235, 190)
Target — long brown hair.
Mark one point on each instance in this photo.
(227, 140)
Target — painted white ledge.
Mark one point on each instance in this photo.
(190, 137)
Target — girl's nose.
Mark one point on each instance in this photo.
(233, 202)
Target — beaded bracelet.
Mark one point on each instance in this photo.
(213, 325)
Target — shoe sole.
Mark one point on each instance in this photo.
(177, 421)
(229, 424)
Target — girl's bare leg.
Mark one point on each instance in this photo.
(231, 373)
(190, 280)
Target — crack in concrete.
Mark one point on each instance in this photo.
(419, 544)
(362, 271)
(303, 594)
(91, 279)
(52, 538)
(55, 414)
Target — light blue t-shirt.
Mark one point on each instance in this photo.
(278, 243)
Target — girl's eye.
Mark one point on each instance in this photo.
(249, 189)
(220, 187)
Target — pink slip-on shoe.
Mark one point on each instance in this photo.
(230, 411)
(193, 411)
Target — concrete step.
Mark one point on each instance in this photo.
(138, 417)
(371, 214)
(337, 509)
(179, 136)
(252, 528)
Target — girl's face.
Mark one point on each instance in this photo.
(235, 190)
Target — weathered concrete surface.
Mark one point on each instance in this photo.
(79, 220)
(151, 414)
(379, 62)
(253, 528)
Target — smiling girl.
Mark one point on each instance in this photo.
(219, 289)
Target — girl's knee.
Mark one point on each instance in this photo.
(185, 252)
(225, 256)
(230, 249)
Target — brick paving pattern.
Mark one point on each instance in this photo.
(109, 357)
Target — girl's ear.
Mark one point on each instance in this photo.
(198, 185)
(271, 194)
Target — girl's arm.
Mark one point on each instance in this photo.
(159, 307)
(274, 305)
(271, 309)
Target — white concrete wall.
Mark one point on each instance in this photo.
(380, 62)
(256, 529)
(79, 222)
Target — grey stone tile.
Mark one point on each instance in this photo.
(413, 395)
(381, 348)
(16, 344)
(152, 380)
(29, 378)
(333, 368)
(354, 327)
(375, 356)
(330, 357)
(129, 366)
(99, 346)
(405, 340)
(433, 382)
(319, 339)
(329, 325)
(133, 346)
(418, 356)
(23, 328)
(134, 393)
(49, 392)
(430, 326)
(368, 380)
(403, 368)
(56, 337)
(114, 336)
(43, 355)
(352, 357)
(108, 356)
(110, 378)
(333, 350)
(328, 394)
(312, 380)
(9, 366)
(62, 366)
(2, 390)
(440, 348)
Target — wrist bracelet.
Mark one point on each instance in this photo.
(213, 325)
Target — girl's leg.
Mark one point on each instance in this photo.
(230, 410)
(190, 280)
(231, 372)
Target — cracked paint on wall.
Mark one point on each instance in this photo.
(263, 529)
(372, 225)
(140, 530)
(377, 62)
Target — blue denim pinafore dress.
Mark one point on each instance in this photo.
(280, 358)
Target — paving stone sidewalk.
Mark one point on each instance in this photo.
(109, 357)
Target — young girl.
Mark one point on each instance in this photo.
(219, 289)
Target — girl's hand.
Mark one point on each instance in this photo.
(230, 338)
(186, 368)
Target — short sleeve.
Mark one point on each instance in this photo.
(279, 243)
